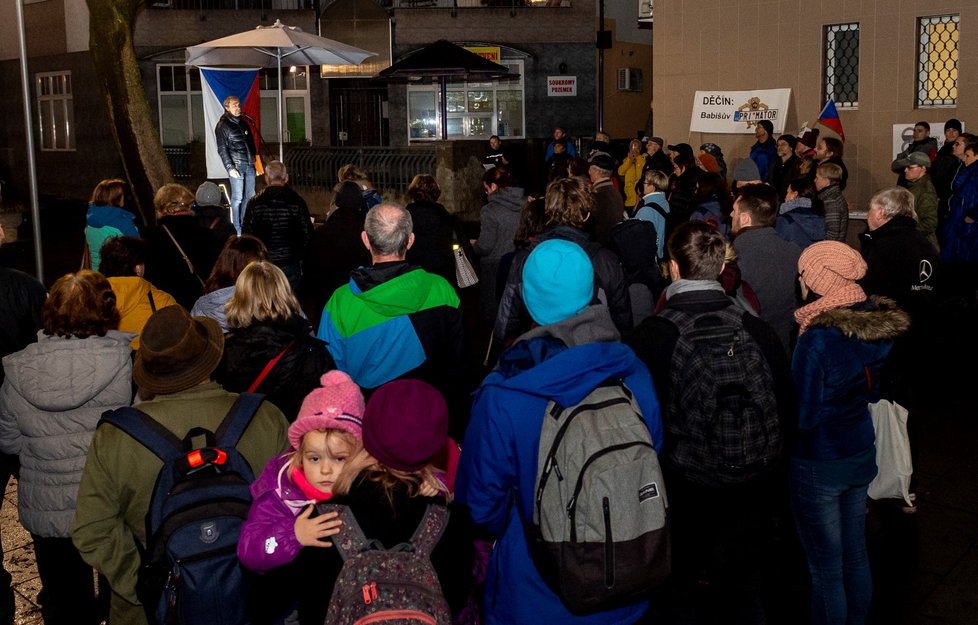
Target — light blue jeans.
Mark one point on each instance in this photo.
(828, 500)
(242, 190)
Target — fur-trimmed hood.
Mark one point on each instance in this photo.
(876, 319)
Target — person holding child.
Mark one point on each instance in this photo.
(405, 424)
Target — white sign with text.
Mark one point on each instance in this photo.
(737, 112)
(561, 86)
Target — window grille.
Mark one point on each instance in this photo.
(841, 75)
(937, 61)
(56, 111)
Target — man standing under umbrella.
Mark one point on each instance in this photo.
(236, 146)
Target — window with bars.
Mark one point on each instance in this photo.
(56, 111)
(937, 60)
(841, 65)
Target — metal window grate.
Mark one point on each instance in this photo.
(841, 69)
(937, 60)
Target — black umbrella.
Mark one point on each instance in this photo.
(443, 60)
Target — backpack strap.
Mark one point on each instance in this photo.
(430, 530)
(351, 540)
(659, 208)
(146, 430)
(238, 419)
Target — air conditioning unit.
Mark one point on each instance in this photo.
(645, 10)
(629, 79)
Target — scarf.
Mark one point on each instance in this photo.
(838, 298)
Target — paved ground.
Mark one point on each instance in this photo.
(19, 560)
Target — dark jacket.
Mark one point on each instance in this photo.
(681, 198)
(654, 341)
(235, 143)
(783, 173)
(659, 161)
(316, 570)
(925, 205)
(942, 171)
(248, 350)
(434, 235)
(165, 266)
(609, 281)
(280, 218)
(609, 209)
(216, 218)
(836, 368)
(334, 250)
(901, 265)
(20, 311)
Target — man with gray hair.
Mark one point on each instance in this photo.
(280, 218)
(395, 320)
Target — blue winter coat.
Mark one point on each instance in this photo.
(764, 155)
(960, 238)
(564, 362)
(800, 224)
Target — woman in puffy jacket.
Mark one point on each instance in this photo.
(51, 400)
(269, 347)
(219, 287)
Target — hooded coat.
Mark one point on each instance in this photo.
(497, 471)
(841, 350)
(137, 299)
(53, 396)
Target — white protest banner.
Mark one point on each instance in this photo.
(737, 112)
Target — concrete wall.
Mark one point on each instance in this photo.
(750, 44)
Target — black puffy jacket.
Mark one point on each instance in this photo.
(235, 143)
(280, 218)
(513, 319)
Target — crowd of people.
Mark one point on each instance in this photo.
(744, 330)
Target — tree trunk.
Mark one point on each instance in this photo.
(113, 23)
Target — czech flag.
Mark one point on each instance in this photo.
(829, 117)
(217, 84)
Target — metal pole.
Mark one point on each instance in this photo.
(281, 134)
(443, 82)
(600, 67)
(29, 134)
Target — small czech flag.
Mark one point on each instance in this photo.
(829, 117)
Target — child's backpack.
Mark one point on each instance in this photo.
(635, 243)
(396, 586)
(600, 535)
(723, 414)
(190, 571)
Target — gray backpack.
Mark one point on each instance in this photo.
(600, 535)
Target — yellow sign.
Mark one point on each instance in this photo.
(491, 54)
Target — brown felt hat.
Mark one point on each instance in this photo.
(177, 351)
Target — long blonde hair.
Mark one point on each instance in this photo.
(261, 293)
(389, 479)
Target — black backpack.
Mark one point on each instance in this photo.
(190, 571)
(600, 532)
(635, 242)
(723, 414)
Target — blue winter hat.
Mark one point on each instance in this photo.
(558, 281)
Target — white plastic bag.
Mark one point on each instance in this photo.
(465, 274)
(892, 452)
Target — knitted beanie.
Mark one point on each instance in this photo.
(791, 140)
(829, 266)
(336, 405)
(558, 281)
(709, 163)
(952, 124)
(405, 424)
(745, 170)
(767, 125)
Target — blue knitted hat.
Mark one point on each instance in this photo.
(558, 281)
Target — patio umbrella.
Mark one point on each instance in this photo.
(443, 60)
(267, 46)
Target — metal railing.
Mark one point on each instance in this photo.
(232, 5)
(179, 158)
(390, 169)
(462, 4)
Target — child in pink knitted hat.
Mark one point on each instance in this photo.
(326, 432)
